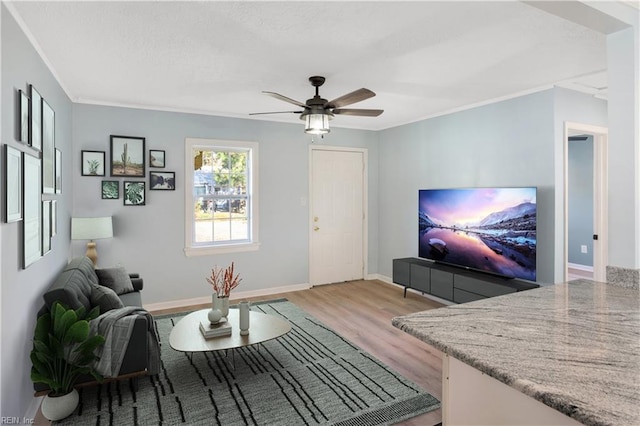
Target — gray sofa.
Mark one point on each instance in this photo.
(79, 284)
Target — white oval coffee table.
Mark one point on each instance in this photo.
(186, 335)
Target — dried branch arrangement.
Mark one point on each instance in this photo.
(224, 280)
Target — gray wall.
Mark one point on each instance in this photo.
(517, 142)
(580, 197)
(572, 107)
(150, 239)
(503, 144)
(22, 289)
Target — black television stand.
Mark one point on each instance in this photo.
(454, 284)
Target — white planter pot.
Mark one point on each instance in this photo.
(58, 407)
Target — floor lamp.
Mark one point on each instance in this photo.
(91, 228)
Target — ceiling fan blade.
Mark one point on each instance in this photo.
(350, 98)
(360, 112)
(284, 98)
(276, 112)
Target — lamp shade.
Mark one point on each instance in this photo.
(316, 124)
(91, 228)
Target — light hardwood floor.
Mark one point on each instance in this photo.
(361, 311)
(576, 274)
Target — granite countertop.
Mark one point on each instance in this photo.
(574, 346)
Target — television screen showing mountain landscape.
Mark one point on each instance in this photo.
(488, 229)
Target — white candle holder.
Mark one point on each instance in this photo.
(244, 318)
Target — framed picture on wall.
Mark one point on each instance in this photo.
(58, 171)
(54, 218)
(134, 193)
(162, 181)
(110, 189)
(23, 118)
(32, 210)
(46, 227)
(48, 149)
(35, 130)
(13, 184)
(92, 163)
(156, 158)
(127, 156)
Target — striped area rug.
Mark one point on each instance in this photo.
(310, 376)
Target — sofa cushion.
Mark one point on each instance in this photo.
(71, 288)
(85, 266)
(116, 279)
(104, 297)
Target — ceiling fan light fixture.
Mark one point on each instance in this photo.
(317, 111)
(316, 124)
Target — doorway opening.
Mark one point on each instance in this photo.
(585, 201)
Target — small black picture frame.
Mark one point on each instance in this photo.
(23, 118)
(127, 156)
(162, 181)
(133, 193)
(110, 189)
(157, 158)
(92, 163)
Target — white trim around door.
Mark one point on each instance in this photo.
(600, 195)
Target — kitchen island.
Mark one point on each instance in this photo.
(562, 354)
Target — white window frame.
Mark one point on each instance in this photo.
(196, 249)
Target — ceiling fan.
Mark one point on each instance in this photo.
(318, 111)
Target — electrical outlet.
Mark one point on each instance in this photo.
(583, 249)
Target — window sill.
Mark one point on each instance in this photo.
(229, 248)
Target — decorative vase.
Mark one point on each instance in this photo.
(214, 315)
(244, 318)
(58, 407)
(223, 305)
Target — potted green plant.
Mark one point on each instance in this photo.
(63, 349)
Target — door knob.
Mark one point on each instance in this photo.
(316, 228)
(315, 218)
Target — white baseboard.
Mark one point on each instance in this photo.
(236, 295)
(379, 277)
(580, 267)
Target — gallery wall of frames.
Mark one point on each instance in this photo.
(128, 160)
(33, 175)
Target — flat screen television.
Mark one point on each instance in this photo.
(486, 229)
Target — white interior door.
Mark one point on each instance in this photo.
(337, 216)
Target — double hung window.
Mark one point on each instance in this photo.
(221, 196)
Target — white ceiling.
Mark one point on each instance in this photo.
(421, 58)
